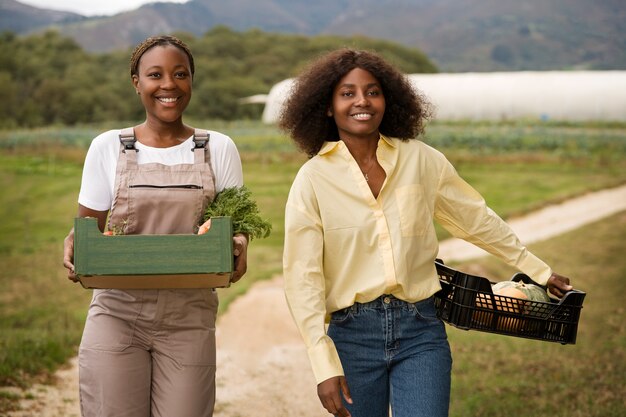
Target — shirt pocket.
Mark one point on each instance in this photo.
(413, 210)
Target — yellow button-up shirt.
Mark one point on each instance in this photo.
(343, 246)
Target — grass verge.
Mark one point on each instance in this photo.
(496, 375)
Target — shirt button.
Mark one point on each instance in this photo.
(386, 300)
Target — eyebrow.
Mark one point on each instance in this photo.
(354, 85)
(161, 67)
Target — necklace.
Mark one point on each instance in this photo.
(366, 172)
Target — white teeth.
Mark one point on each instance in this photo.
(167, 99)
(362, 116)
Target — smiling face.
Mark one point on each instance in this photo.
(358, 105)
(163, 82)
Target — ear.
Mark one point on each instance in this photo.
(135, 81)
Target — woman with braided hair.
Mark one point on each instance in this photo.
(151, 352)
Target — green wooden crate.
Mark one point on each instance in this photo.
(153, 261)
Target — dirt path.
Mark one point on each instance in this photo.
(262, 365)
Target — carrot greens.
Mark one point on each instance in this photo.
(237, 202)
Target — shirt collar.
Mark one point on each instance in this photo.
(328, 147)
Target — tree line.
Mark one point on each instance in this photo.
(48, 79)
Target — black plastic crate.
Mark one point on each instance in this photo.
(468, 302)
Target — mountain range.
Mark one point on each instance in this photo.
(458, 35)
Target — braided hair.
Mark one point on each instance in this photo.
(158, 41)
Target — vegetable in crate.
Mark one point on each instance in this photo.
(237, 203)
(520, 290)
(483, 302)
(508, 297)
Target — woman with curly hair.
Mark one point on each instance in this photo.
(360, 243)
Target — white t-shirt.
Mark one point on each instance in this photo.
(96, 190)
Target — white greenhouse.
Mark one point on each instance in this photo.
(549, 95)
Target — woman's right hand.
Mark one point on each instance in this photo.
(68, 243)
(330, 392)
(68, 256)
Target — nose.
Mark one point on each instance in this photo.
(167, 82)
(362, 100)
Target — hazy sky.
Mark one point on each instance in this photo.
(93, 7)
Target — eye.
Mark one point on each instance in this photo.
(154, 75)
(181, 74)
(346, 93)
(373, 93)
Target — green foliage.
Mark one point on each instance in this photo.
(237, 202)
(48, 79)
(569, 141)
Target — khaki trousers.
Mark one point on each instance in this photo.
(149, 353)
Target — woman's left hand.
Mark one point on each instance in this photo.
(240, 251)
(559, 285)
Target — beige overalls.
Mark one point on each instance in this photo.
(152, 352)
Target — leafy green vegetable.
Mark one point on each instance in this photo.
(237, 203)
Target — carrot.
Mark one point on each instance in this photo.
(205, 227)
(108, 233)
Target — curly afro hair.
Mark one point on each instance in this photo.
(304, 113)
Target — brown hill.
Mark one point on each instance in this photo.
(467, 35)
(20, 18)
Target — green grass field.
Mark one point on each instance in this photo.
(516, 167)
(495, 375)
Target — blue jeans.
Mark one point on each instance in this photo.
(394, 354)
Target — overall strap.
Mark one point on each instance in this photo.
(127, 141)
(127, 159)
(200, 140)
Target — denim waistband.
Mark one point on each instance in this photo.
(385, 301)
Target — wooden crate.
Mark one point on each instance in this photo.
(153, 261)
